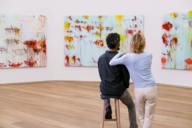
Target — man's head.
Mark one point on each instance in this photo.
(113, 41)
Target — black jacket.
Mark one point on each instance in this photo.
(114, 79)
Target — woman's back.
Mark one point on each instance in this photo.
(139, 66)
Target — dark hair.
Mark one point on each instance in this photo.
(112, 40)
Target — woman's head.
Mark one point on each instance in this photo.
(137, 43)
(113, 40)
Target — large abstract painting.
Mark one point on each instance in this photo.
(177, 41)
(22, 41)
(84, 36)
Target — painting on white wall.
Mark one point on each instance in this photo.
(177, 41)
(22, 41)
(84, 36)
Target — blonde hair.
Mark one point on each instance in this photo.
(137, 43)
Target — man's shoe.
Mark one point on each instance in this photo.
(108, 114)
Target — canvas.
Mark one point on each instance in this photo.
(177, 41)
(84, 36)
(22, 41)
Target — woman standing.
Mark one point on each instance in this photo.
(138, 63)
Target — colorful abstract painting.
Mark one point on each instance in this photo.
(84, 36)
(22, 41)
(177, 41)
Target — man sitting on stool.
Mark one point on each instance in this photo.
(115, 80)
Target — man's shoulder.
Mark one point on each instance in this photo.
(102, 55)
(108, 54)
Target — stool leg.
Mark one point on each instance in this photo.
(118, 113)
(103, 113)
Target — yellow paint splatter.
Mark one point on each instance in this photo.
(175, 36)
(86, 16)
(100, 27)
(66, 25)
(71, 47)
(42, 42)
(16, 30)
(100, 43)
(169, 52)
(119, 17)
(97, 34)
(122, 37)
(190, 14)
(68, 38)
(189, 35)
(73, 60)
(100, 17)
(174, 15)
(32, 59)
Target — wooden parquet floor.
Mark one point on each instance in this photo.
(65, 104)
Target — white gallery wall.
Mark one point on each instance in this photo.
(55, 10)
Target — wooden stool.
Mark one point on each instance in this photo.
(117, 113)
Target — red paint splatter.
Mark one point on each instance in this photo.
(43, 45)
(70, 18)
(42, 18)
(135, 18)
(188, 61)
(30, 43)
(66, 60)
(99, 43)
(78, 27)
(2, 65)
(36, 50)
(30, 63)
(67, 46)
(175, 15)
(34, 45)
(164, 38)
(109, 28)
(77, 21)
(74, 59)
(11, 64)
(174, 40)
(163, 60)
(69, 31)
(168, 54)
(88, 28)
(167, 26)
(130, 32)
(171, 44)
(79, 59)
(139, 31)
(80, 37)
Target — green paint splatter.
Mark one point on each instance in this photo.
(190, 14)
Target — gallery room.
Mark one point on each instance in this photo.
(95, 64)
